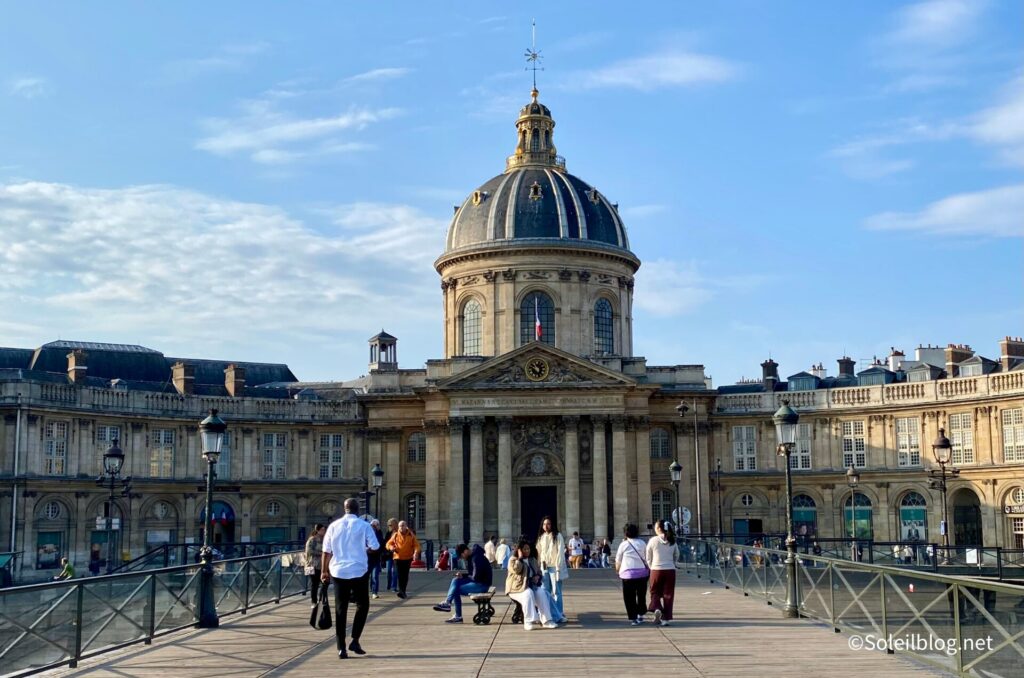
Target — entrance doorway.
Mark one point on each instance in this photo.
(966, 519)
(535, 503)
(746, 530)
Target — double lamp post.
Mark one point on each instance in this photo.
(113, 462)
(786, 421)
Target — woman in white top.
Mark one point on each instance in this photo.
(662, 554)
(631, 566)
(551, 551)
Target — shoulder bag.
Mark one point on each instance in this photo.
(636, 572)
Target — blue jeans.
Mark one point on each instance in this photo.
(392, 575)
(462, 586)
(554, 587)
(375, 578)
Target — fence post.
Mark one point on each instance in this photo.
(79, 598)
(999, 562)
(958, 630)
(832, 594)
(885, 622)
(152, 609)
(245, 584)
(280, 578)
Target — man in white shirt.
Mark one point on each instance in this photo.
(575, 551)
(346, 543)
(490, 550)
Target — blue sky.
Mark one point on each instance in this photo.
(271, 182)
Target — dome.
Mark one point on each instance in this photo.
(535, 198)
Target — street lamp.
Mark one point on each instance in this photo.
(786, 420)
(377, 474)
(211, 435)
(718, 491)
(675, 469)
(113, 462)
(682, 410)
(852, 480)
(942, 449)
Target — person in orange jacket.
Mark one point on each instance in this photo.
(406, 547)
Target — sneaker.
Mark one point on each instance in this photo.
(453, 620)
(443, 607)
(635, 622)
(550, 625)
(665, 622)
(640, 619)
(563, 620)
(657, 617)
(528, 626)
(375, 596)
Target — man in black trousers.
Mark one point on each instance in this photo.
(346, 544)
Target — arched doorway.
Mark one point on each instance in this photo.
(805, 519)
(913, 518)
(859, 517)
(223, 531)
(966, 518)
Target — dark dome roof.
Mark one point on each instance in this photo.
(536, 202)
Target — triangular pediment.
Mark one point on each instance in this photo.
(535, 366)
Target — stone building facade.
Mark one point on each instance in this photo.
(537, 407)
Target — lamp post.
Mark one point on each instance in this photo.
(113, 462)
(852, 480)
(718, 491)
(676, 471)
(942, 449)
(211, 434)
(682, 410)
(377, 474)
(786, 420)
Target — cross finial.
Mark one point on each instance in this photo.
(533, 58)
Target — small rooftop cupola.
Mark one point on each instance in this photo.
(534, 146)
(383, 352)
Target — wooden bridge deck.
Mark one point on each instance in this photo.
(716, 633)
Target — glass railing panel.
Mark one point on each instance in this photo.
(991, 628)
(262, 580)
(814, 588)
(114, 611)
(919, 618)
(37, 627)
(176, 593)
(857, 594)
(775, 572)
(229, 586)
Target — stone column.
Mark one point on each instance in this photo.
(572, 475)
(308, 463)
(432, 480)
(505, 478)
(600, 463)
(476, 480)
(454, 483)
(620, 476)
(391, 502)
(643, 472)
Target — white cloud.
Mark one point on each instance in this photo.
(665, 288)
(29, 87)
(227, 58)
(182, 267)
(378, 74)
(869, 156)
(269, 136)
(936, 23)
(642, 211)
(996, 212)
(669, 68)
(1003, 124)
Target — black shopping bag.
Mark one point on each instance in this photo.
(320, 617)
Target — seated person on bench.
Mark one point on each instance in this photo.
(476, 580)
(523, 585)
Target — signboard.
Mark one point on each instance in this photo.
(101, 523)
(1013, 509)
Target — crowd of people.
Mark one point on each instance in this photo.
(352, 554)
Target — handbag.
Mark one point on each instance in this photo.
(309, 570)
(636, 572)
(320, 617)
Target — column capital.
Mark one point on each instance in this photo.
(571, 420)
(456, 423)
(618, 422)
(504, 424)
(476, 424)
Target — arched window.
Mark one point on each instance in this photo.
(604, 341)
(537, 306)
(805, 518)
(913, 517)
(416, 512)
(535, 140)
(857, 516)
(471, 328)
(660, 444)
(417, 448)
(661, 504)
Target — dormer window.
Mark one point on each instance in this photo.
(594, 196)
(535, 191)
(479, 197)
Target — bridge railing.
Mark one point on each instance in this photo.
(963, 625)
(44, 626)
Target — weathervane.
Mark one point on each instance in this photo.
(533, 56)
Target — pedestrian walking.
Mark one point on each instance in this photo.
(389, 556)
(551, 551)
(314, 560)
(502, 554)
(631, 566)
(405, 547)
(346, 544)
(523, 584)
(375, 559)
(661, 558)
(575, 551)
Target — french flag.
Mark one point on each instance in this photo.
(538, 332)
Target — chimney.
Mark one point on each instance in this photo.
(769, 374)
(819, 371)
(184, 377)
(895, 360)
(234, 380)
(956, 353)
(1010, 349)
(846, 365)
(77, 366)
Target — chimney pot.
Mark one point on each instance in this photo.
(77, 366)
(183, 376)
(234, 380)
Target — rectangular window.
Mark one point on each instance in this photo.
(854, 448)
(332, 450)
(800, 459)
(161, 453)
(275, 456)
(961, 435)
(55, 461)
(744, 448)
(1013, 435)
(222, 469)
(107, 434)
(970, 370)
(908, 441)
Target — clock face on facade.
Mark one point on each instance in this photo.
(537, 369)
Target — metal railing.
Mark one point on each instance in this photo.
(966, 626)
(44, 626)
(168, 555)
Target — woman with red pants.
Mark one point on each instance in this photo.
(661, 557)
